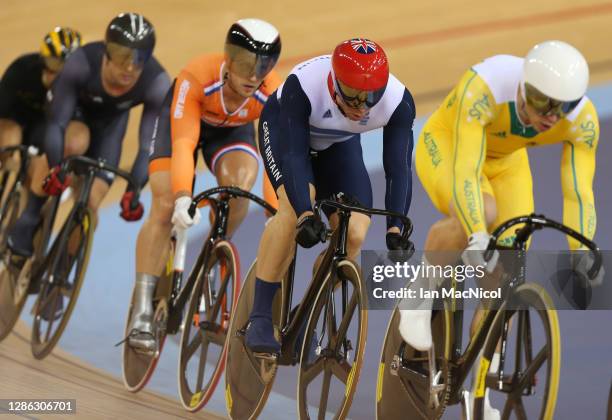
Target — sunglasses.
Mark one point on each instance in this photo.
(125, 57)
(358, 99)
(545, 105)
(247, 64)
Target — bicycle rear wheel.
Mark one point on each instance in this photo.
(403, 386)
(205, 325)
(532, 358)
(14, 281)
(333, 346)
(70, 259)
(248, 379)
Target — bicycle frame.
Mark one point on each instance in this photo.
(461, 363)
(180, 294)
(69, 164)
(334, 254)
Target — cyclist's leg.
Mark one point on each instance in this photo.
(11, 134)
(21, 234)
(153, 240)
(277, 243)
(231, 155)
(512, 184)
(434, 165)
(340, 168)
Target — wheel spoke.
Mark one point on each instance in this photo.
(519, 409)
(214, 313)
(324, 394)
(507, 412)
(346, 319)
(330, 316)
(192, 347)
(341, 370)
(202, 363)
(533, 367)
(313, 370)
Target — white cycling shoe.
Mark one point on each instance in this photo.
(415, 328)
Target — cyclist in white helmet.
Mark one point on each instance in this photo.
(471, 158)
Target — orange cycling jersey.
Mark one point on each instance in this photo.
(198, 96)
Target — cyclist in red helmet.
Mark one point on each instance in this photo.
(309, 136)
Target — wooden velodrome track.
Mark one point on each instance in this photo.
(429, 45)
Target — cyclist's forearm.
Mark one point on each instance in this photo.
(139, 170)
(54, 144)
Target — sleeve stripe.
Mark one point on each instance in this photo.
(460, 210)
(575, 176)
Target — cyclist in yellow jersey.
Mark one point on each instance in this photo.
(471, 158)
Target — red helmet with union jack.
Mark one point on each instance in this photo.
(360, 72)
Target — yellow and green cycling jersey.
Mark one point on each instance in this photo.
(475, 143)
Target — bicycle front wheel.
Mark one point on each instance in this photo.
(205, 326)
(532, 356)
(333, 346)
(60, 290)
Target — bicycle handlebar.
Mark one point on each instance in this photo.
(406, 222)
(535, 222)
(71, 162)
(21, 148)
(232, 192)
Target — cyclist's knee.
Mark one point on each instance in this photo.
(10, 133)
(77, 139)
(161, 209)
(237, 169)
(357, 231)
(446, 234)
(98, 191)
(163, 200)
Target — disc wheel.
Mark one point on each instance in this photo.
(248, 379)
(403, 386)
(205, 325)
(63, 286)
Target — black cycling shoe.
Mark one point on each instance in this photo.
(21, 236)
(259, 336)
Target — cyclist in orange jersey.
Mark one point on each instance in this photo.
(212, 105)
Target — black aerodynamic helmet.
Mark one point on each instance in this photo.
(130, 36)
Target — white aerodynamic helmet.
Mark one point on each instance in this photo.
(557, 70)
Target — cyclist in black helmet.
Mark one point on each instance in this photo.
(102, 81)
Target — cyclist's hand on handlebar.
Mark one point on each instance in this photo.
(395, 242)
(56, 182)
(581, 262)
(474, 253)
(310, 231)
(131, 211)
(181, 217)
